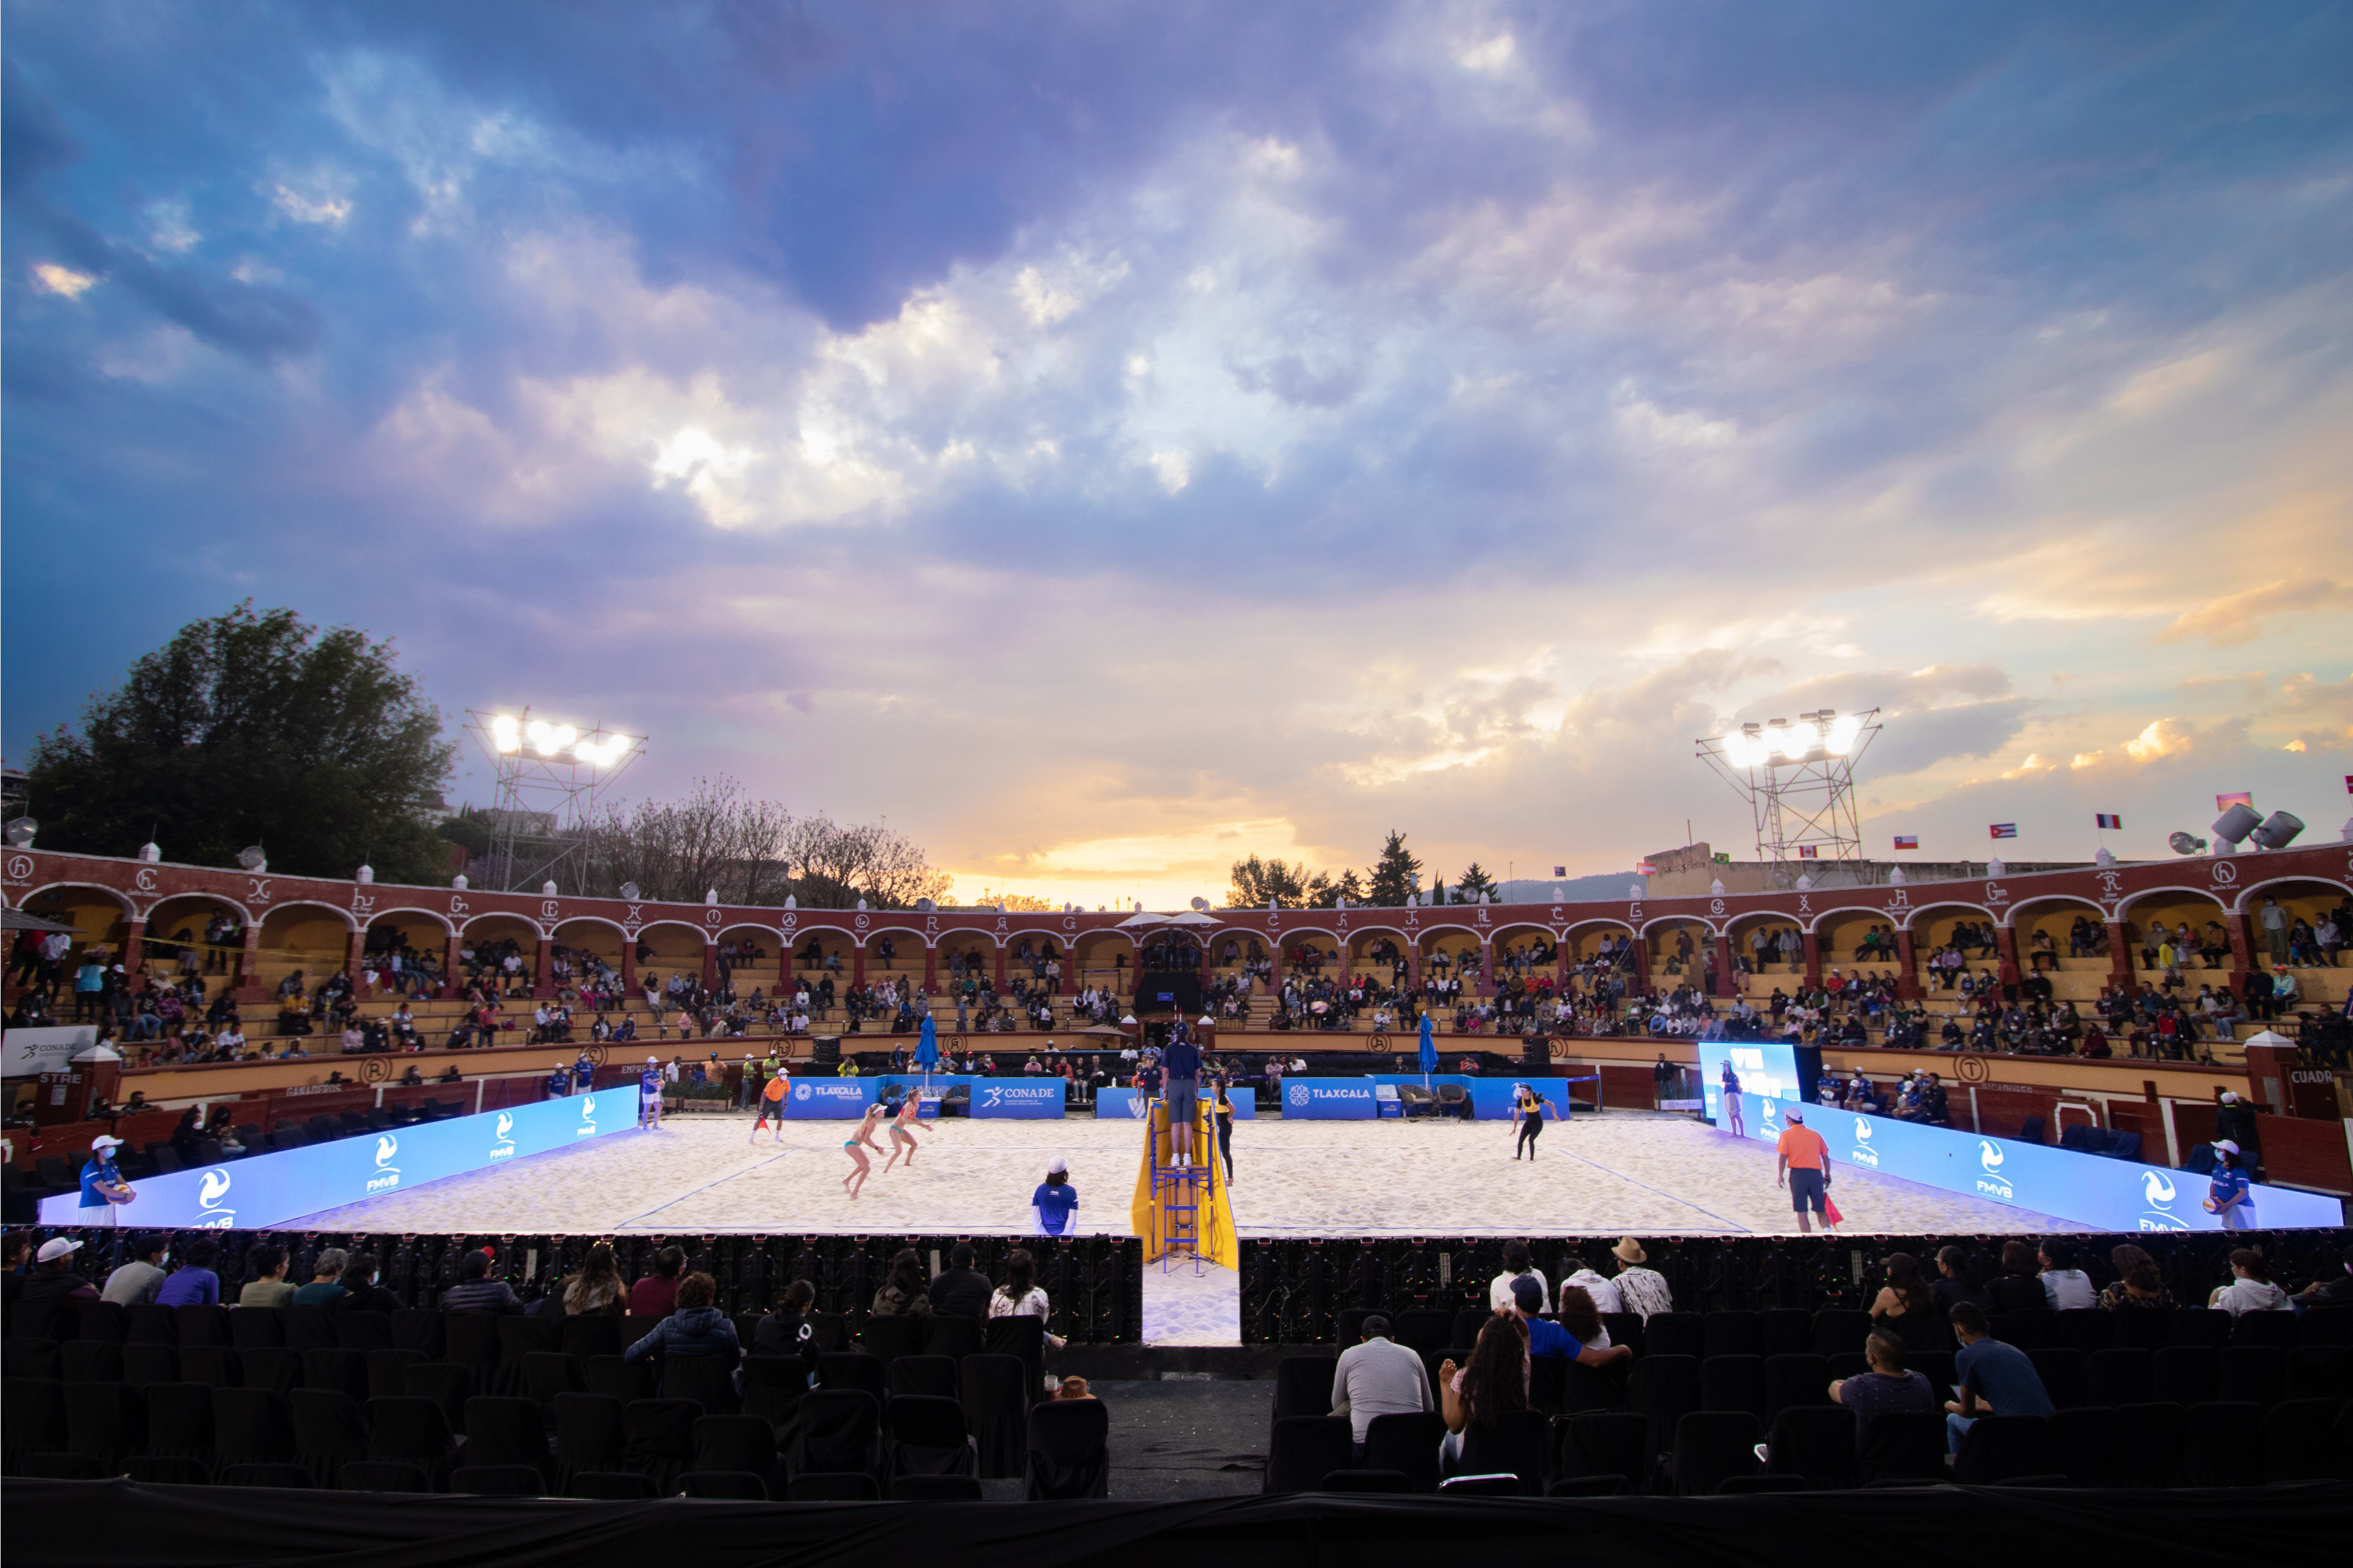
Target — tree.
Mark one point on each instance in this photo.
(1396, 877)
(254, 728)
(1471, 883)
(717, 839)
(1255, 881)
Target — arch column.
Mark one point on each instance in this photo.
(1486, 966)
(248, 983)
(1001, 967)
(452, 980)
(2005, 943)
(931, 967)
(858, 962)
(134, 949)
(628, 965)
(1642, 961)
(1813, 946)
(353, 946)
(1907, 967)
(710, 964)
(2120, 970)
(542, 974)
(1726, 974)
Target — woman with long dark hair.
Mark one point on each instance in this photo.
(1905, 1306)
(2139, 1283)
(1576, 1313)
(1019, 1296)
(906, 1293)
(1493, 1381)
(597, 1288)
(2018, 1287)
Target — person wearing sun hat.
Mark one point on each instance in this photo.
(1644, 1291)
(103, 1190)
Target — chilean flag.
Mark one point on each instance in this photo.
(1907, 841)
(2104, 820)
(2004, 829)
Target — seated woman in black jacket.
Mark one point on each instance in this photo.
(2019, 1288)
(697, 1328)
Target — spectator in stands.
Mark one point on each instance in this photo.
(267, 1288)
(2251, 1287)
(1517, 1261)
(960, 1289)
(791, 1329)
(597, 1289)
(656, 1294)
(326, 1287)
(2333, 1292)
(1603, 1290)
(139, 1279)
(1577, 1314)
(905, 1293)
(1887, 1389)
(2065, 1287)
(192, 1283)
(1957, 1281)
(475, 1291)
(361, 1292)
(1640, 1290)
(2138, 1284)
(1378, 1377)
(697, 1328)
(1905, 1307)
(1496, 1380)
(2016, 1288)
(46, 1308)
(1019, 1296)
(1994, 1378)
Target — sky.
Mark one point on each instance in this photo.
(1107, 440)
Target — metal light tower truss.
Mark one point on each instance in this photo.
(549, 779)
(1798, 780)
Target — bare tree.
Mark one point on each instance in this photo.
(753, 852)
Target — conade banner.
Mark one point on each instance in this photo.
(265, 1190)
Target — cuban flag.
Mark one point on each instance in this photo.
(2105, 820)
(2005, 829)
(1907, 841)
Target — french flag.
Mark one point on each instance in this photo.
(1907, 841)
(2005, 829)
(2104, 820)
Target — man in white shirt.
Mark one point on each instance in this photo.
(1605, 1295)
(1378, 1378)
(1517, 1260)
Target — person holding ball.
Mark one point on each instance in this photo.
(2229, 1198)
(103, 1190)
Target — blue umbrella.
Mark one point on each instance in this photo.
(927, 1047)
(1429, 1052)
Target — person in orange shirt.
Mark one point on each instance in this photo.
(772, 1104)
(1802, 1165)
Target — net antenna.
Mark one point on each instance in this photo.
(1798, 777)
(549, 779)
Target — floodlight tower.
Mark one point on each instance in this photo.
(549, 779)
(1798, 780)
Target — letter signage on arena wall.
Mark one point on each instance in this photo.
(1111, 1104)
(2091, 1189)
(830, 1098)
(264, 1189)
(1017, 1099)
(1328, 1100)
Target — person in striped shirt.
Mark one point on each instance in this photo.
(1643, 1290)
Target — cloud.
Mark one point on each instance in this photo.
(62, 281)
(2237, 618)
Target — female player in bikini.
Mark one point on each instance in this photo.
(903, 1128)
(864, 1135)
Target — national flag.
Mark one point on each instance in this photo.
(1809, 852)
(2104, 820)
(1724, 856)
(2225, 802)
(1907, 841)
(2004, 829)
(1646, 870)
(1560, 870)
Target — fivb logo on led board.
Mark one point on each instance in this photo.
(1990, 1181)
(2158, 1191)
(505, 1148)
(587, 1128)
(1863, 1153)
(209, 1197)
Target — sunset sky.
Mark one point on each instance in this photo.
(1109, 439)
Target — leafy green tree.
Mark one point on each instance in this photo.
(1473, 881)
(254, 728)
(1396, 877)
(1254, 881)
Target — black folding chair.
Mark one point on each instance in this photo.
(1302, 1450)
(738, 1445)
(1406, 1442)
(1070, 1457)
(928, 1436)
(997, 1406)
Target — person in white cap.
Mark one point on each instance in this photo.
(1055, 1202)
(2229, 1198)
(49, 1287)
(103, 1190)
(649, 1093)
(1803, 1167)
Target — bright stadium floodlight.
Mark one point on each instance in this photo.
(1798, 776)
(548, 776)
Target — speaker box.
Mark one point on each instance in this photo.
(1535, 1055)
(827, 1051)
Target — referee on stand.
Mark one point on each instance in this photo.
(1181, 1064)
